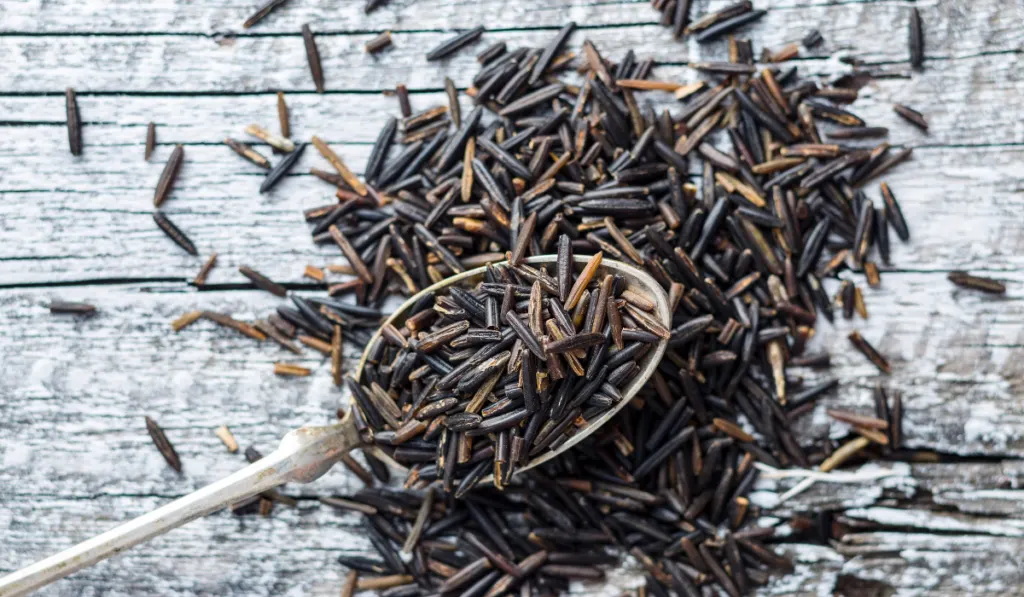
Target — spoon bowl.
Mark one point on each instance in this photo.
(635, 278)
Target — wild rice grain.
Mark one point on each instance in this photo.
(163, 444)
(73, 121)
(313, 57)
(150, 140)
(169, 175)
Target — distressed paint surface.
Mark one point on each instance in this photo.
(74, 455)
(159, 61)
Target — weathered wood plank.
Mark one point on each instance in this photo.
(74, 458)
(258, 64)
(166, 63)
(254, 556)
(76, 389)
(967, 488)
(90, 217)
(960, 564)
(845, 26)
(126, 362)
(916, 321)
(992, 488)
(226, 17)
(219, 555)
(228, 555)
(936, 522)
(967, 102)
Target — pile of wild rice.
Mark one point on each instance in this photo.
(562, 153)
(742, 256)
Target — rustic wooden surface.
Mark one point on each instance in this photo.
(74, 455)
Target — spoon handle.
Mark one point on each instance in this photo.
(304, 455)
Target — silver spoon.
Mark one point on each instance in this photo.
(306, 454)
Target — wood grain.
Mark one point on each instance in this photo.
(75, 458)
(955, 356)
(130, 62)
(847, 25)
(73, 381)
(964, 102)
(227, 555)
(962, 204)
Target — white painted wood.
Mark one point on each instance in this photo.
(980, 118)
(68, 381)
(77, 390)
(946, 523)
(166, 63)
(961, 204)
(981, 488)
(971, 193)
(293, 552)
(74, 455)
(918, 563)
(105, 372)
(227, 17)
(239, 555)
(304, 455)
(844, 25)
(253, 556)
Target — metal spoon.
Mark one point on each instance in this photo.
(306, 454)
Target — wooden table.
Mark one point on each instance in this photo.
(74, 455)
